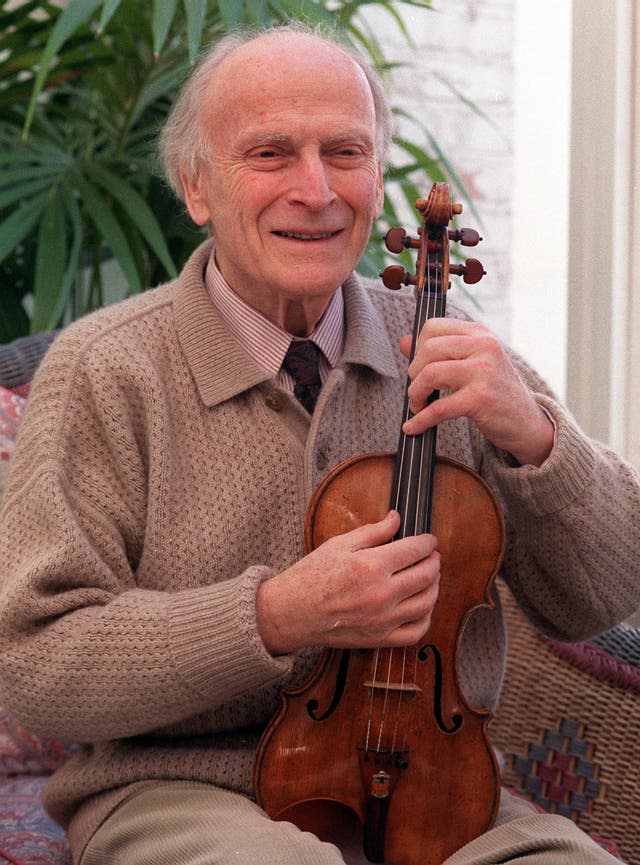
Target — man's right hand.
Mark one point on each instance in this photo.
(357, 590)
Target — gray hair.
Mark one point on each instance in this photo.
(184, 146)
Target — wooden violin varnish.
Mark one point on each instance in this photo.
(384, 739)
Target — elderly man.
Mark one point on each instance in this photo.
(155, 592)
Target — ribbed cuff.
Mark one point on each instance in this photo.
(215, 640)
(561, 479)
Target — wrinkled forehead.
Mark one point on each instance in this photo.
(305, 70)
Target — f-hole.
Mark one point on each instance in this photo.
(341, 681)
(456, 720)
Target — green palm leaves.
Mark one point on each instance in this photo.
(83, 92)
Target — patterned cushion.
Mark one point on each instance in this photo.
(11, 410)
(24, 753)
(20, 359)
(576, 754)
(27, 835)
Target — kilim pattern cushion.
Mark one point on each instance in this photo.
(560, 772)
(568, 730)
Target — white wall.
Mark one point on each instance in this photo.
(511, 59)
(469, 43)
(604, 270)
(542, 112)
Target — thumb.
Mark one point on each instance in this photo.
(405, 344)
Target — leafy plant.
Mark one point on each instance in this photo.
(83, 92)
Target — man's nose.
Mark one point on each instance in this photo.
(311, 184)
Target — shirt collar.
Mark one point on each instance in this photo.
(221, 367)
(263, 340)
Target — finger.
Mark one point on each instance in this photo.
(405, 344)
(416, 589)
(368, 535)
(452, 339)
(400, 555)
(433, 346)
(447, 407)
(440, 326)
(442, 348)
(443, 375)
(405, 624)
(414, 618)
(409, 633)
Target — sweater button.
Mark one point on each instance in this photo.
(274, 401)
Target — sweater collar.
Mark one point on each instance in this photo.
(220, 366)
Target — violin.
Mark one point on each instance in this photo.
(382, 742)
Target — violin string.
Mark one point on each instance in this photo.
(434, 297)
(376, 655)
(411, 524)
(394, 738)
(428, 304)
(413, 451)
(406, 445)
(384, 703)
(376, 659)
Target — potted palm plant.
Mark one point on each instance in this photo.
(85, 85)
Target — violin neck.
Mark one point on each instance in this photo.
(412, 485)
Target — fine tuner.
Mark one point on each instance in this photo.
(396, 240)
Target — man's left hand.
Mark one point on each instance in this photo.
(469, 365)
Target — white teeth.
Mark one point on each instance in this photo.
(300, 236)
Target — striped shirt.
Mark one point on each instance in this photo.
(264, 341)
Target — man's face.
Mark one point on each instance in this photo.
(295, 181)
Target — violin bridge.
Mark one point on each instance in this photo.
(400, 687)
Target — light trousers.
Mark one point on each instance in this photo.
(186, 823)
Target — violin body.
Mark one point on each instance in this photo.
(384, 739)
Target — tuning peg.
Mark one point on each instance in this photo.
(465, 236)
(396, 240)
(471, 271)
(395, 276)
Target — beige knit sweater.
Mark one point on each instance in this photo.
(159, 476)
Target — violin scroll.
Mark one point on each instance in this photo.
(432, 244)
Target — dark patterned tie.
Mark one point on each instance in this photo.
(301, 362)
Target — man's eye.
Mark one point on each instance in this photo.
(265, 158)
(348, 153)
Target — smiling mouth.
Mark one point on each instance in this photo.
(300, 235)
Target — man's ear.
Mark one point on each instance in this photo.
(194, 198)
(380, 190)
